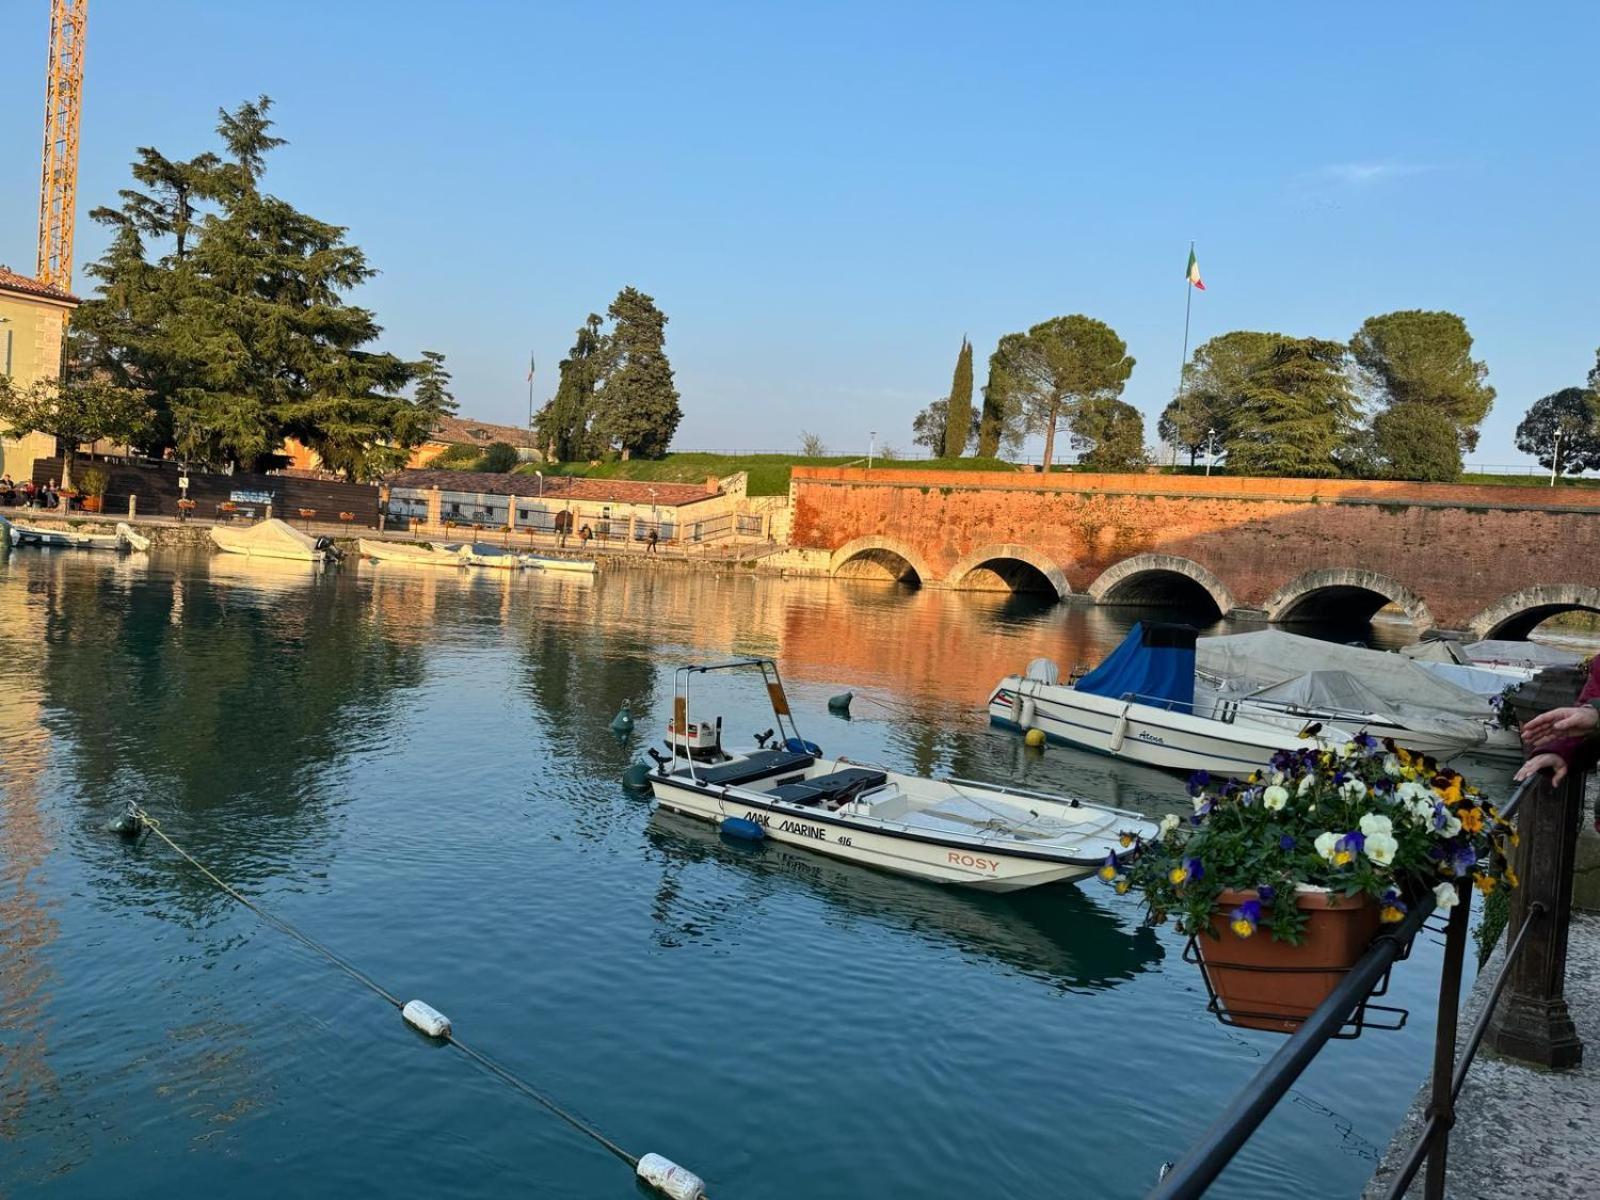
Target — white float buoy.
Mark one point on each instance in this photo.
(426, 1018)
(668, 1178)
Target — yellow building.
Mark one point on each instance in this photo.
(32, 325)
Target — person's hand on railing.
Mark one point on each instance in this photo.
(1539, 762)
(1577, 721)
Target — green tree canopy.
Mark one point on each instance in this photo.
(1109, 435)
(999, 421)
(1416, 441)
(1562, 430)
(563, 425)
(1213, 380)
(1295, 411)
(637, 409)
(73, 409)
(931, 429)
(960, 425)
(1418, 357)
(227, 306)
(498, 457)
(1056, 367)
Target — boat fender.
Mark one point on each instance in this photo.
(623, 721)
(840, 705)
(795, 745)
(1026, 712)
(668, 1178)
(1034, 738)
(637, 777)
(1119, 731)
(127, 825)
(743, 827)
(426, 1018)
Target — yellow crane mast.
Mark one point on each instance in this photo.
(63, 104)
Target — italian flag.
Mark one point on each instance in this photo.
(1192, 272)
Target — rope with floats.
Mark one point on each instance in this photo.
(658, 1172)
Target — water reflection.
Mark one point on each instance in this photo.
(1058, 935)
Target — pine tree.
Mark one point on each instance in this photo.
(1058, 366)
(959, 406)
(563, 424)
(637, 408)
(1295, 412)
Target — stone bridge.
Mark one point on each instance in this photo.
(1486, 561)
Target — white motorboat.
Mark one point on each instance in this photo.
(545, 562)
(74, 539)
(481, 554)
(414, 553)
(940, 830)
(273, 539)
(1139, 705)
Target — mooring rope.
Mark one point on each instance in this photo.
(477, 1056)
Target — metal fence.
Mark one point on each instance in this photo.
(1533, 1025)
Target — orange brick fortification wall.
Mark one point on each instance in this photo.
(1451, 555)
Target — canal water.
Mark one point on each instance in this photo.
(415, 768)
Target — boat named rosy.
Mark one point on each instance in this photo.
(949, 831)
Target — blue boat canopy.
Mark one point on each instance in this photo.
(1155, 663)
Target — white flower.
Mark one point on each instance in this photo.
(1169, 823)
(1353, 789)
(1306, 784)
(1200, 801)
(1375, 823)
(1451, 826)
(1275, 778)
(1412, 790)
(1274, 798)
(1422, 809)
(1391, 766)
(1311, 808)
(1445, 895)
(1380, 848)
(1325, 843)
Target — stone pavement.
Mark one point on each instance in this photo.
(1522, 1132)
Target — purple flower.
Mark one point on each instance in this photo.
(1366, 741)
(1463, 859)
(1353, 841)
(1198, 782)
(1286, 842)
(1267, 892)
(1195, 868)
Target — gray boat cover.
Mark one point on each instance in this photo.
(1248, 662)
(1522, 654)
(1440, 651)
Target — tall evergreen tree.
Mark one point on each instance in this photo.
(637, 410)
(1295, 411)
(1417, 357)
(958, 408)
(563, 423)
(998, 423)
(1212, 380)
(238, 326)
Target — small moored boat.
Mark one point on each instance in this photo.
(73, 539)
(544, 562)
(273, 539)
(481, 554)
(420, 554)
(952, 831)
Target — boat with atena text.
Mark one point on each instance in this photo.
(73, 539)
(952, 831)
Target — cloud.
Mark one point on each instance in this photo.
(1362, 174)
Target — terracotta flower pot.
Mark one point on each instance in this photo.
(93, 503)
(1266, 984)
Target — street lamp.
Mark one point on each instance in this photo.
(1555, 457)
(540, 474)
(1211, 450)
(872, 446)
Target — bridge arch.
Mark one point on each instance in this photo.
(879, 558)
(1161, 579)
(1345, 592)
(1009, 567)
(1515, 616)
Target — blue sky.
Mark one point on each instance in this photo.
(825, 198)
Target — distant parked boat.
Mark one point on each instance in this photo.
(452, 555)
(481, 554)
(273, 539)
(73, 539)
(541, 562)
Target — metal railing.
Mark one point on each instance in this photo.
(1534, 1027)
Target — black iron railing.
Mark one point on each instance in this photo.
(1533, 1025)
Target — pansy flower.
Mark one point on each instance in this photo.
(1393, 908)
(1110, 868)
(1245, 918)
(1267, 893)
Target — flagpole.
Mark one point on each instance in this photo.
(1188, 303)
(530, 392)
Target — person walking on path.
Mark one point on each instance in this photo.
(650, 543)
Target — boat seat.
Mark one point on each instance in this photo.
(831, 788)
(758, 765)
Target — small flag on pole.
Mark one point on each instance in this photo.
(530, 356)
(1192, 272)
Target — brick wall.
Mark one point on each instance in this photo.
(1455, 549)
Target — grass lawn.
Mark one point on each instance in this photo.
(769, 473)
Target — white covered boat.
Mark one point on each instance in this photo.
(1140, 705)
(481, 554)
(415, 553)
(272, 539)
(943, 831)
(73, 539)
(545, 562)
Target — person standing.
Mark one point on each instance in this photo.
(1566, 739)
(650, 542)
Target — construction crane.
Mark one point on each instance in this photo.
(63, 104)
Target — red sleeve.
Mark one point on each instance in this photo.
(1579, 752)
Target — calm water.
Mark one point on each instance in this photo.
(415, 767)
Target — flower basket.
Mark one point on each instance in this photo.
(1260, 983)
(93, 504)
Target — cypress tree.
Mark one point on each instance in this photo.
(637, 410)
(959, 410)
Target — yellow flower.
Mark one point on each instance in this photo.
(1108, 872)
(1122, 885)
(1471, 819)
(1126, 839)
(1516, 838)
(1243, 928)
(1342, 857)
(1511, 876)
(1177, 875)
(1391, 914)
(1484, 883)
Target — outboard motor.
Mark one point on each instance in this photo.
(325, 544)
(700, 740)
